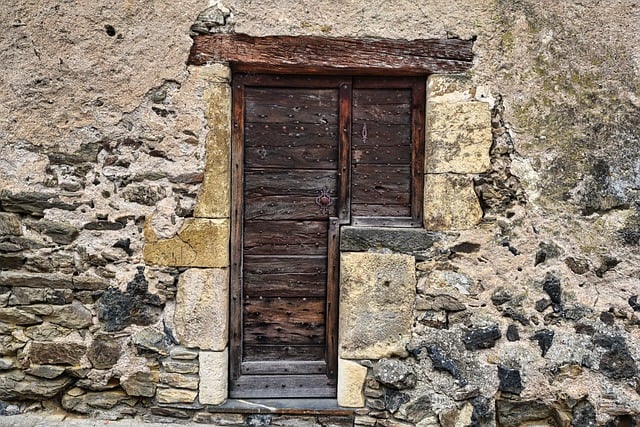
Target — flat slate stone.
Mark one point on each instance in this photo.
(404, 240)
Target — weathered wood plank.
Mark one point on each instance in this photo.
(333, 284)
(312, 54)
(290, 386)
(291, 105)
(381, 184)
(283, 352)
(284, 321)
(281, 145)
(261, 182)
(383, 135)
(363, 98)
(286, 367)
(285, 207)
(285, 237)
(374, 210)
(285, 277)
(418, 100)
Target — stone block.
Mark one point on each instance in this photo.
(175, 395)
(351, 377)
(377, 293)
(213, 376)
(15, 385)
(449, 88)
(54, 353)
(202, 308)
(199, 243)
(450, 203)
(10, 224)
(212, 73)
(458, 138)
(406, 240)
(214, 198)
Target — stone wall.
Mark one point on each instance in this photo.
(517, 303)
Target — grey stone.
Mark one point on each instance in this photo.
(18, 316)
(512, 333)
(74, 315)
(90, 283)
(441, 362)
(510, 380)
(147, 195)
(544, 338)
(33, 203)
(35, 280)
(501, 296)
(84, 402)
(9, 345)
(59, 232)
(140, 383)
(182, 353)
(15, 385)
(54, 353)
(12, 261)
(395, 374)
(7, 363)
(584, 415)
(481, 338)
(511, 413)
(104, 351)
(46, 332)
(394, 399)
(618, 362)
(10, 224)
(151, 340)
(89, 384)
(86, 153)
(577, 265)
(45, 371)
(439, 302)
(26, 296)
(404, 240)
(103, 226)
(180, 367)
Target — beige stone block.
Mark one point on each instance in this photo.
(214, 199)
(175, 395)
(450, 203)
(212, 73)
(200, 242)
(458, 137)
(213, 377)
(202, 308)
(449, 88)
(351, 377)
(377, 293)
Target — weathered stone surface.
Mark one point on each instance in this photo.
(181, 353)
(516, 413)
(351, 377)
(140, 383)
(180, 381)
(35, 280)
(10, 224)
(47, 332)
(103, 226)
(577, 265)
(7, 363)
(405, 240)
(180, 367)
(441, 362)
(45, 371)
(74, 315)
(59, 232)
(394, 373)
(147, 195)
(544, 337)
(34, 203)
(15, 385)
(510, 380)
(104, 351)
(54, 353)
(9, 345)
(26, 296)
(202, 306)
(84, 402)
(450, 203)
(376, 304)
(454, 417)
(480, 338)
(617, 362)
(200, 242)
(117, 309)
(151, 340)
(213, 376)
(175, 395)
(18, 316)
(458, 137)
(213, 198)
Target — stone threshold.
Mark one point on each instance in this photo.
(282, 406)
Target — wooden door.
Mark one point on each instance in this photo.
(288, 146)
(310, 154)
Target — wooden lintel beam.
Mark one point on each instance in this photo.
(323, 55)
